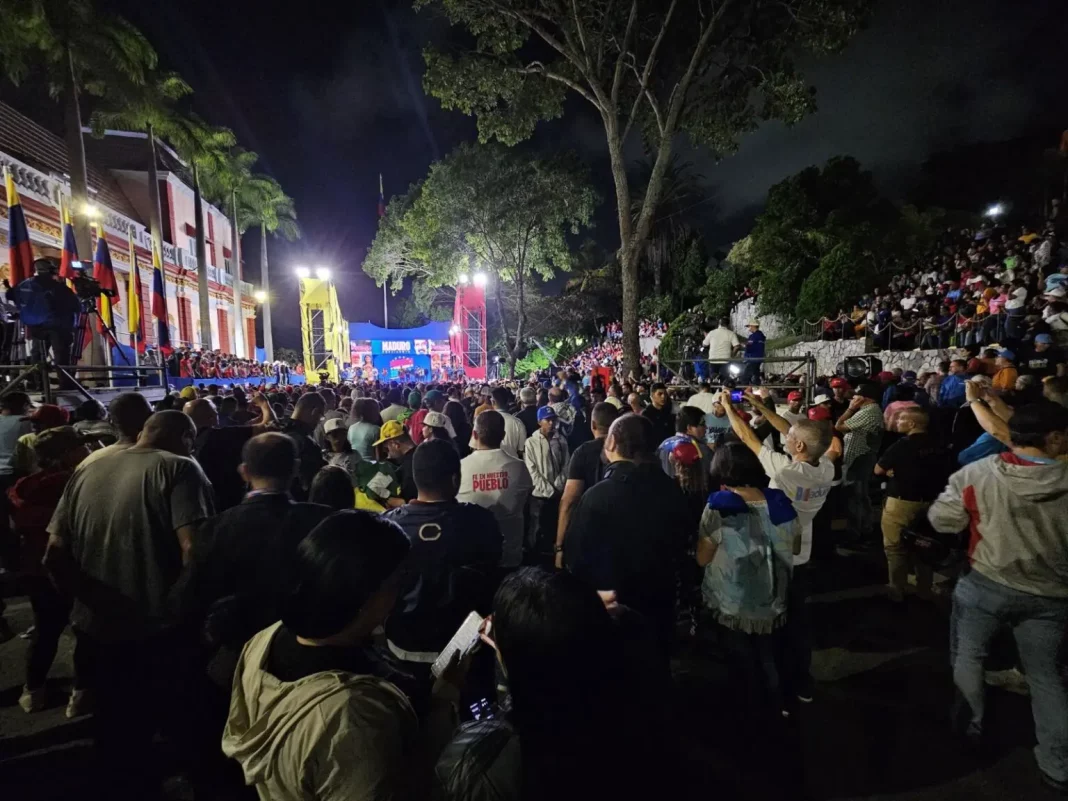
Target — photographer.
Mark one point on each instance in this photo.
(49, 310)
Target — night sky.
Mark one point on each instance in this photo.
(330, 96)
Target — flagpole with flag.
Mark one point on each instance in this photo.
(19, 250)
(135, 322)
(69, 255)
(104, 274)
(159, 304)
(381, 214)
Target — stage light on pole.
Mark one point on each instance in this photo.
(463, 279)
(481, 279)
(90, 211)
(322, 273)
(995, 211)
(302, 272)
(260, 296)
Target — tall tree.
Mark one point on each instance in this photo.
(486, 208)
(231, 180)
(80, 49)
(147, 107)
(204, 147)
(710, 68)
(272, 211)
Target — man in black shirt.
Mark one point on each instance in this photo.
(916, 467)
(659, 414)
(401, 451)
(586, 468)
(1042, 359)
(300, 427)
(628, 533)
(528, 414)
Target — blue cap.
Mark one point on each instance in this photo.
(1005, 353)
(546, 413)
(909, 374)
(1043, 339)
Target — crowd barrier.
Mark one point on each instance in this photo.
(960, 331)
(255, 382)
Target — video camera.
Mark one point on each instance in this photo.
(87, 288)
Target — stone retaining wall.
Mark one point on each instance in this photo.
(829, 354)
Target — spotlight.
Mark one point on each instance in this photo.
(481, 279)
(463, 279)
(995, 211)
(302, 272)
(90, 211)
(260, 296)
(322, 273)
(734, 370)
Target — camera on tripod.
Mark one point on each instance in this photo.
(87, 288)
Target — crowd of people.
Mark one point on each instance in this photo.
(607, 351)
(980, 286)
(281, 583)
(214, 364)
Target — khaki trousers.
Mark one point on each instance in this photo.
(897, 515)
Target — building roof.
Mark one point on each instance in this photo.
(128, 150)
(40, 148)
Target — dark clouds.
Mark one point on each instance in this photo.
(330, 95)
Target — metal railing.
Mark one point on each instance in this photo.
(741, 372)
(37, 378)
(959, 331)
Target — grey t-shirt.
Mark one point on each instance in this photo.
(12, 426)
(118, 517)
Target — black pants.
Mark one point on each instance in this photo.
(541, 535)
(797, 638)
(51, 613)
(59, 342)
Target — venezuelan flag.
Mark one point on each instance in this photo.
(134, 317)
(159, 304)
(104, 272)
(20, 253)
(70, 245)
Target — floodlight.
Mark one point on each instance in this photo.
(302, 272)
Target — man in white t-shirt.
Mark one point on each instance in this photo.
(705, 399)
(495, 480)
(792, 413)
(721, 342)
(515, 433)
(805, 475)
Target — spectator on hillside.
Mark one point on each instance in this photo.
(951, 390)
(1042, 358)
(1013, 504)
(492, 479)
(1005, 372)
(585, 468)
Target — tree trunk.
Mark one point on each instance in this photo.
(79, 182)
(238, 339)
(628, 250)
(155, 213)
(202, 263)
(265, 284)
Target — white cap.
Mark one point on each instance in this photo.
(752, 324)
(1056, 292)
(821, 398)
(335, 423)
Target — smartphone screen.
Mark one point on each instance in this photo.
(737, 396)
(463, 641)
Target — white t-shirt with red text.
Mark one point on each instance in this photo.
(498, 482)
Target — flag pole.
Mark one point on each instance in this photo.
(98, 233)
(129, 288)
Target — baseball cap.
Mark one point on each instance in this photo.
(838, 382)
(1056, 292)
(752, 324)
(819, 413)
(434, 395)
(188, 393)
(1005, 353)
(546, 413)
(49, 415)
(886, 375)
(909, 374)
(391, 429)
(53, 443)
(436, 420)
(821, 398)
(686, 453)
(335, 423)
(1043, 339)
(794, 396)
(414, 398)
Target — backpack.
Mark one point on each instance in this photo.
(35, 301)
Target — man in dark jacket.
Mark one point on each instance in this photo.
(629, 532)
(244, 554)
(300, 427)
(455, 550)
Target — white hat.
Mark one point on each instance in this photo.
(821, 398)
(1056, 292)
(752, 324)
(335, 423)
(436, 420)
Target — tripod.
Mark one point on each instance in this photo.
(83, 329)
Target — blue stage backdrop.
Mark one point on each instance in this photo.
(395, 352)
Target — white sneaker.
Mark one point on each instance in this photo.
(80, 703)
(1011, 680)
(33, 700)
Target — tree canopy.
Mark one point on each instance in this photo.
(486, 209)
(713, 70)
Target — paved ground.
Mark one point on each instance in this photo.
(877, 730)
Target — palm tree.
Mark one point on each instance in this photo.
(681, 191)
(148, 108)
(205, 148)
(230, 181)
(78, 49)
(272, 211)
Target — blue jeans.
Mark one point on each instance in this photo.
(980, 608)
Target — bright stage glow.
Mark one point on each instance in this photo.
(995, 211)
(481, 279)
(734, 369)
(260, 296)
(454, 330)
(322, 273)
(463, 279)
(90, 211)
(302, 272)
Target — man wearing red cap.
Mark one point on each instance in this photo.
(842, 395)
(792, 413)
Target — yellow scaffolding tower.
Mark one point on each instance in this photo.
(324, 332)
